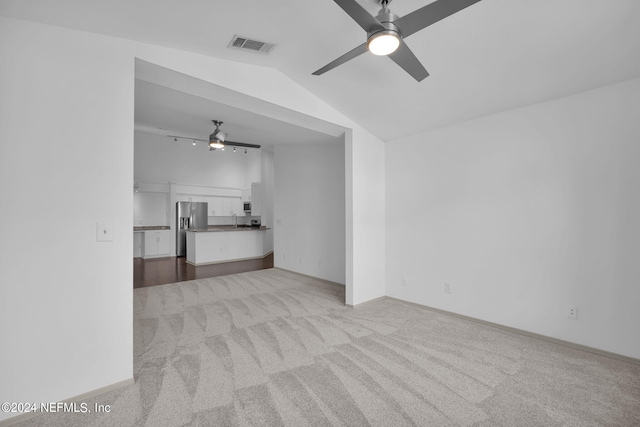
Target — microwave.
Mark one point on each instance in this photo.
(247, 206)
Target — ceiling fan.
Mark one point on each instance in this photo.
(386, 31)
(218, 139)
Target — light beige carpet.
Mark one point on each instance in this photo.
(271, 348)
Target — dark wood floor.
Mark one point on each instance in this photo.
(160, 271)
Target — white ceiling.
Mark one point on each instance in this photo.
(492, 56)
(166, 111)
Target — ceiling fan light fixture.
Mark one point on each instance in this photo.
(383, 43)
(216, 139)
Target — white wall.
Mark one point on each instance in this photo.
(161, 160)
(524, 213)
(266, 188)
(365, 207)
(150, 208)
(309, 210)
(71, 317)
(66, 163)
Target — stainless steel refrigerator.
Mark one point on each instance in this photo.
(189, 215)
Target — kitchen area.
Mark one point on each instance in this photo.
(195, 214)
(195, 209)
(175, 119)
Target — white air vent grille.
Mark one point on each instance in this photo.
(244, 43)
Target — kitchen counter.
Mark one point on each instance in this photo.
(218, 228)
(151, 228)
(224, 244)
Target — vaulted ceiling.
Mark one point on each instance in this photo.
(493, 56)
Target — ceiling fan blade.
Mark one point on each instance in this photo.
(360, 15)
(430, 14)
(344, 58)
(240, 144)
(408, 61)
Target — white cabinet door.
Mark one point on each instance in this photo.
(217, 206)
(237, 206)
(256, 199)
(150, 247)
(226, 206)
(157, 243)
(164, 243)
(232, 205)
(214, 205)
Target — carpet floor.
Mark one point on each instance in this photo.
(273, 348)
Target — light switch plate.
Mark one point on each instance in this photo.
(104, 232)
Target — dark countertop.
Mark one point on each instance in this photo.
(217, 228)
(151, 228)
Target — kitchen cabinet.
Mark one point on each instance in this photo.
(232, 205)
(256, 199)
(246, 195)
(189, 198)
(157, 243)
(214, 205)
(217, 205)
(237, 207)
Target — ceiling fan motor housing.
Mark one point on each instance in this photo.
(386, 18)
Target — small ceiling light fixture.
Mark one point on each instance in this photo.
(384, 41)
(216, 139)
(245, 151)
(194, 142)
(234, 149)
(175, 139)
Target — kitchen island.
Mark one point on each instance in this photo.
(224, 244)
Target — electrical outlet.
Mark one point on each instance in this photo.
(447, 288)
(572, 311)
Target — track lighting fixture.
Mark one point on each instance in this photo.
(218, 139)
(213, 146)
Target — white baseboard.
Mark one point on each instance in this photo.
(28, 415)
(311, 277)
(523, 332)
(366, 302)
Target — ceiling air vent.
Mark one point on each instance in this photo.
(244, 43)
